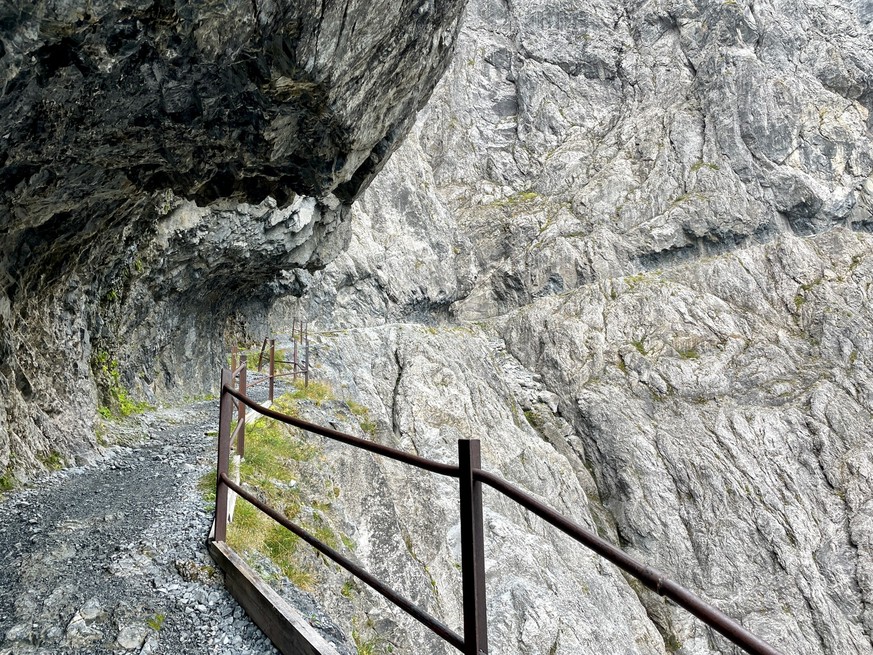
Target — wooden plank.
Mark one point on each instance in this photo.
(290, 633)
(231, 495)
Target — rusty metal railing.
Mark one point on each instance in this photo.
(299, 362)
(471, 478)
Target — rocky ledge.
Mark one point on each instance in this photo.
(163, 164)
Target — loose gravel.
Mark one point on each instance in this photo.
(111, 557)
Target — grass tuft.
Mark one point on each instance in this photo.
(278, 466)
(157, 622)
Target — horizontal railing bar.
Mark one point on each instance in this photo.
(237, 371)
(287, 375)
(439, 628)
(342, 437)
(651, 577)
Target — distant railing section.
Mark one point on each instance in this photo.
(299, 363)
(471, 477)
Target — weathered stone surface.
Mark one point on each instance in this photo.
(574, 143)
(663, 211)
(425, 389)
(119, 123)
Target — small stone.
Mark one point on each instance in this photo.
(20, 632)
(132, 637)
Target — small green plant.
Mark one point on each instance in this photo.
(368, 425)
(7, 482)
(635, 280)
(349, 587)
(640, 345)
(348, 542)
(703, 164)
(799, 301)
(120, 403)
(688, 353)
(317, 392)
(53, 460)
(535, 420)
(157, 622)
(373, 645)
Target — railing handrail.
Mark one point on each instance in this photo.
(393, 453)
(649, 576)
(472, 476)
(437, 626)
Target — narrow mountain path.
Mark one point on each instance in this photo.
(110, 557)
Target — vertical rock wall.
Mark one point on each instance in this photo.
(661, 211)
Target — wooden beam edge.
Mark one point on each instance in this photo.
(290, 633)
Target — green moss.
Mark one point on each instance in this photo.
(799, 301)
(688, 353)
(633, 281)
(534, 419)
(368, 425)
(157, 622)
(703, 164)
(53, 460)
(516, 199)
(640, 345)
(7, 482)
(117, 400)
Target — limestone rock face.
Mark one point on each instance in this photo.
(656, 216)
(574, 143)
(163, 164)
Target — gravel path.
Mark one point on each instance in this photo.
(110, 557)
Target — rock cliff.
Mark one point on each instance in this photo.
(162, 165)
(627, 245)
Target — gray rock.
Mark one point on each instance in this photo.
(132, 637)
(663, 210)
(159, 170)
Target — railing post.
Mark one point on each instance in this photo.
(472, 550)
(272, 366)
(306, 355)
(224, 413)
(241, 411)
(294, 341)
(234, 351)
(261, 356)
